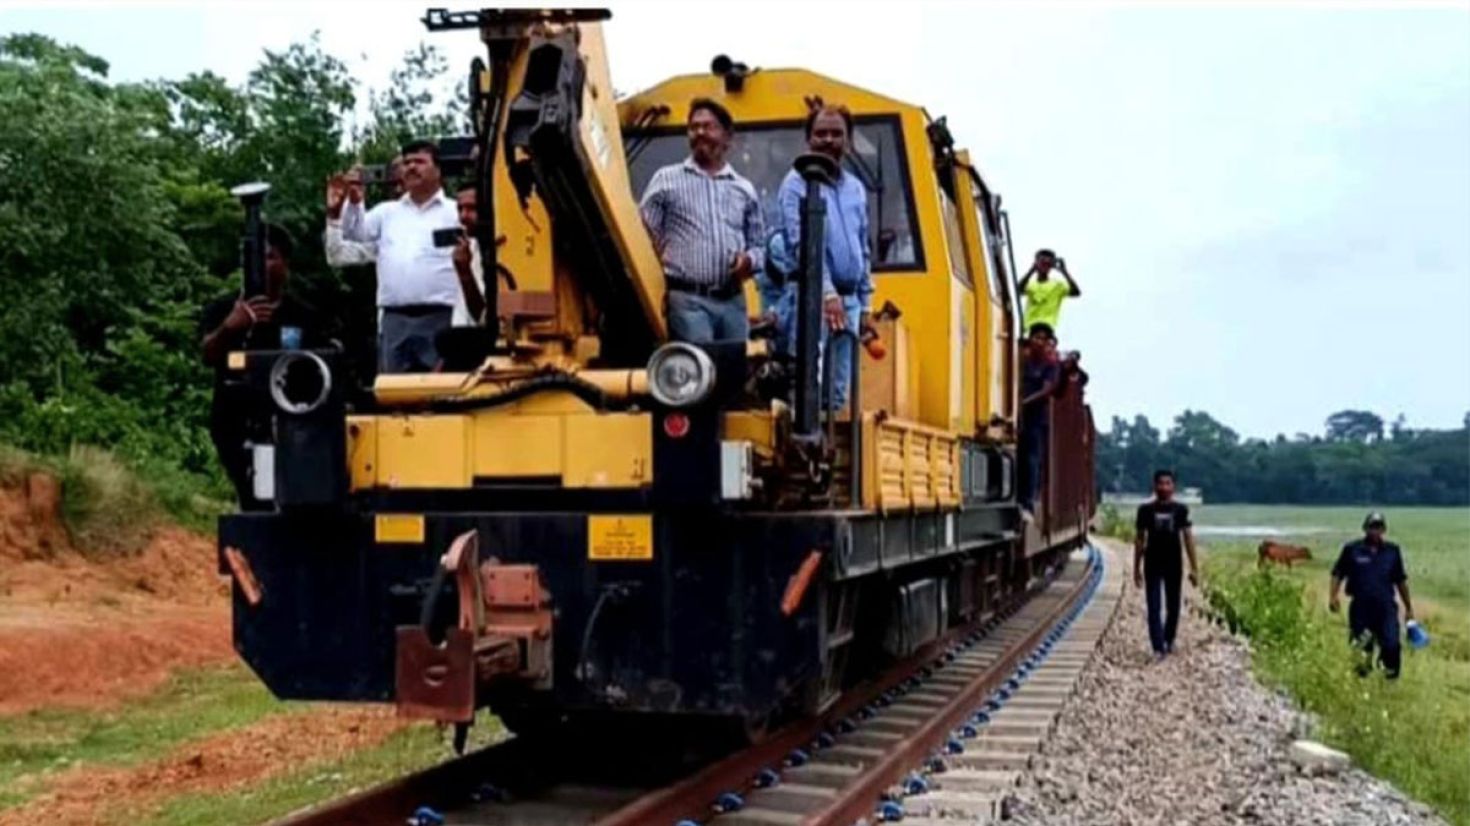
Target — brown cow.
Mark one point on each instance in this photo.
(1280, 553)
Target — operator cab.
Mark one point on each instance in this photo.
(762, 152)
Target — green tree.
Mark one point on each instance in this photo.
(1354, 426)
(422, 100)
(1352, 466)
(91, 268)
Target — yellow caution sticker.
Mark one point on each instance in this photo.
(620, 537)
(403, 528)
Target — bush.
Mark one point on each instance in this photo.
(1110, 522)
(109, 504)
(105, 506)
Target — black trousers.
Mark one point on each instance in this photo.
(1371, 622)
(1161, 589)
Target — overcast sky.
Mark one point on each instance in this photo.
(1267, 207)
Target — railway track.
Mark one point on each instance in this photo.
(941, 737)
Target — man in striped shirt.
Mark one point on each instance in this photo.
(706, 225)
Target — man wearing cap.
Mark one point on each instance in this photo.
(1373, 570)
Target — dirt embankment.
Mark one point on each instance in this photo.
(83, 630)
(90, 630)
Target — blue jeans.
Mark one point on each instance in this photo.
(771, 292)
(1034, 439)
(698, 319)
(842, 351)
(1161, 589)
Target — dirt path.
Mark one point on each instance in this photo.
(228, 760)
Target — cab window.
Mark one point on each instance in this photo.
(763, 155)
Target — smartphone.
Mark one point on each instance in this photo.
(375, 174)
(447, 237)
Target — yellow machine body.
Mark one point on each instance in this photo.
(949, 373)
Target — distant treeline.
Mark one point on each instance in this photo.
(1357, 460)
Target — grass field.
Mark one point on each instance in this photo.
(37, 747)
(1415, 732)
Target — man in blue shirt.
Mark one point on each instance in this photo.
(1373, 569)
(847, 276)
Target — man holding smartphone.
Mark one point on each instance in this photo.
(413, 239)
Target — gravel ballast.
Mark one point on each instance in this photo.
(1190, 740)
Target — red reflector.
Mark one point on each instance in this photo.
(676, 425)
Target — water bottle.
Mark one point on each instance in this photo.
(1418, 637)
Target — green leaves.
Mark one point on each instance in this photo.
(116, 225)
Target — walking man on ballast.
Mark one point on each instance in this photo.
(1161, 529)
(1373, 570)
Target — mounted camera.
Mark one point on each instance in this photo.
(733, 72)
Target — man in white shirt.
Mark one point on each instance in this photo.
(413, 240)
(469, 306)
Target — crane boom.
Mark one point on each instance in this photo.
(555, 124)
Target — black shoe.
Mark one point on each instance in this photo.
(1363, 670)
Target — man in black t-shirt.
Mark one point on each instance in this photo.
(1161, 529)
(274, 321)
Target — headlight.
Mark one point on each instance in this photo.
(300, 382)
(680, 375)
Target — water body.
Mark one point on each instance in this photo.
(1249, 531)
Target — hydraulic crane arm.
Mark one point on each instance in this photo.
(561, 141)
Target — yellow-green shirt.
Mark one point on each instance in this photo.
(1044, 301)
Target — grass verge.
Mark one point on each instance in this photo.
(1415, 732)
(404, 751)
(41, 743)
